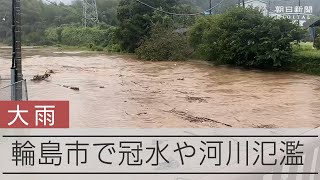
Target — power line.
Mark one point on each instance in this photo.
(210, 3)
(179, 14)
(90, 12)
(68, 9)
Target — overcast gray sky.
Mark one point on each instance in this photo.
(64, 1)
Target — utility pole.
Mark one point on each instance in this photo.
(90, 13)
(16, 68)
(243, 4)
(210, 1)
(299, 14)
(269, 7)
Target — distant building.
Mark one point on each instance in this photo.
(313, 30)
(258, 4)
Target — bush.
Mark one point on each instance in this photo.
(306, 59)
(164, 44)
(113, 48)
(94, 38)
(244, 37)
(317, 41)
(53, 35)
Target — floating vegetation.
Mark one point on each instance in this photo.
(43, 77)
(71, 87)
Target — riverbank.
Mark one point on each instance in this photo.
(306, 59)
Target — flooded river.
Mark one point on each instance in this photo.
(119, 91)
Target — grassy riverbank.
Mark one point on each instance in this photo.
(306, 59)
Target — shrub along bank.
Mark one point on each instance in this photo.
(165, 44)
(306, 59)
(244, 37)
(95, 38)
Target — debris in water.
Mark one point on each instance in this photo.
(192, 118)
(50, 71)
(237, 119)
(199, 99)
(182, 92)
(46, 75)
(72, 88)
(144, 113)
(41, 77)
(75, 88)
(154, 92)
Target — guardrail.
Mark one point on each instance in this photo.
(15, 92)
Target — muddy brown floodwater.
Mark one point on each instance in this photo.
(119, 91)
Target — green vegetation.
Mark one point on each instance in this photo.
(39, 16)
(165, 44)
(123, 24)
(233, 35)
(136, 20)
(244, 37)
(317, 41)
(306, 59)
(95, 38)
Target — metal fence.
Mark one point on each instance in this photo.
(16, 91)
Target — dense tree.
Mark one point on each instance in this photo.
(165, 43)
(39, 15)
(317, 41)
(136, 19)
(107, 11)
(133, 19)
(244, 37)
(5, 22)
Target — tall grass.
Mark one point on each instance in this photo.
(307, 50)
(306, 59)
